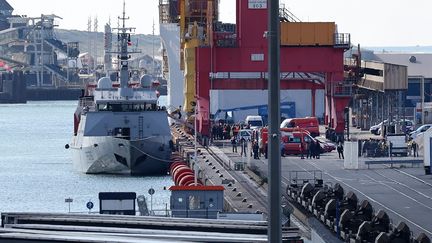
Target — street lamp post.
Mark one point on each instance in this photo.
(274, 159)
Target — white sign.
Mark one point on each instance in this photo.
(257, 57)
(257, 4)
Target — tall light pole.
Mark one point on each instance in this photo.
(274, 159)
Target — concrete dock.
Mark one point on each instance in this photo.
(402, 190)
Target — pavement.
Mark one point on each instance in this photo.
(404, 193)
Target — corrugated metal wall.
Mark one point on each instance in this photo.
(395, 77)
(307, 33)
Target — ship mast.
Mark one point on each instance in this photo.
(124, 40)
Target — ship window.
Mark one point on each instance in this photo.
(102, 107)
(116, 107)
(123, 132)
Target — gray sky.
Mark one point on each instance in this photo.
(370, 22)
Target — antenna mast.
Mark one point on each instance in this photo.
(124, 40)
(153, 56)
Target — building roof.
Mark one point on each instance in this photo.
(419, 64)
(4, 5)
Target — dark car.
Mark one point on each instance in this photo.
(325, 146)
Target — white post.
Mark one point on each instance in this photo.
(422, 89)
(351, 159)
(151, 204)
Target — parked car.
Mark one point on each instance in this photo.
(325, 146)
(375, 128)
(409, 126)
(419, 130)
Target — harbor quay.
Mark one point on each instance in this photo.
(396, 185)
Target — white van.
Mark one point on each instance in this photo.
(254, 122)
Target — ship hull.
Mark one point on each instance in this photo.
(110, 155)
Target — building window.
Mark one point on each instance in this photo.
(194, 202)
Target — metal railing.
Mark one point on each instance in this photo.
(286, 15)
(342, 89)
(225, 39)
(86, 102)
(342, 40)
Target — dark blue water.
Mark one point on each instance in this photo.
(36, 172)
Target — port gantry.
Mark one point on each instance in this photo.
(219, 56)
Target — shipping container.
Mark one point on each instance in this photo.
(307, 33)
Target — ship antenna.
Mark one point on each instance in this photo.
(124, 13)
(153, 56)
(124, 38)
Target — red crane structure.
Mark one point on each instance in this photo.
(234, 57)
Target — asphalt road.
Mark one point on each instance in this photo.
(404, 193)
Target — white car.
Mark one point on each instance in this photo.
(375, 128)
(409, 125)
(419, 130)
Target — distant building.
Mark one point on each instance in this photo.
(419, 77)
(373, 102)
(5, 11)
(5, 8)
(419, 70)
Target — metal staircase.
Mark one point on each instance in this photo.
(286, 16)
(57, 45)
(57, 71)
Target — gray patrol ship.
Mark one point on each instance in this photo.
(119, 127)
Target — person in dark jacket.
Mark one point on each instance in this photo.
(311, 149)
(317, 150)
(340, 150)
(307, 151)
(414, 148)
(255, 149)
(243, 146)
(234, 144)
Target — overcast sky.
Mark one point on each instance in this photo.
(370, 22)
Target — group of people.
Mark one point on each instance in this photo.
(225, 131)
(374, 148)
(243, 143)
(313, 150)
